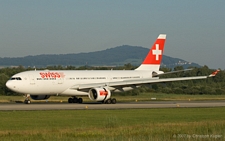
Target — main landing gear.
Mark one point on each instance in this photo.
(27, 99)
(75, 100)
(110, 101)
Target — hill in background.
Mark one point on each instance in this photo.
(117, 56)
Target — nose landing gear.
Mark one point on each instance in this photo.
(27, 99)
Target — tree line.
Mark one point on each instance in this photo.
(214, 85)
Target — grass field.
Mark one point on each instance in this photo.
(128, 125)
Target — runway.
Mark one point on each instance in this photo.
(128, 105)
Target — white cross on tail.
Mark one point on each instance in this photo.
(157, 52)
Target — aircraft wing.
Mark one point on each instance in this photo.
(127, 83)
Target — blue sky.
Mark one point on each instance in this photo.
(195, 29)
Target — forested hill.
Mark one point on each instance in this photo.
(116, 56)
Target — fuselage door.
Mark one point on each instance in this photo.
(32, 80)
(60, 80)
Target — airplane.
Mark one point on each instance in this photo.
(98, 85)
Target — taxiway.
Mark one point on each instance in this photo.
(129, 105)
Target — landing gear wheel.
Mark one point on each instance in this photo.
(113, 101)
(108, 101)
(75, 100)
(70, 100)
(27, 101)
(80, 100)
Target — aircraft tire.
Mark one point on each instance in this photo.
(113, 101)
(70, 100)
(27, 101)
(108, 101)
(80, 100)
(75, 100)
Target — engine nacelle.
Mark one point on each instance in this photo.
(99, 94)
(39, 97)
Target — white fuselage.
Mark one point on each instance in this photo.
(97, 84)
(65, 82)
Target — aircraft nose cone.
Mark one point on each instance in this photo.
(9, 84)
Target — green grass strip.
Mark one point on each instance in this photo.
(128, 124)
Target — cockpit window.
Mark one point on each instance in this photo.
(15, 78)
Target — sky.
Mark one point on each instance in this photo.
(195, 28)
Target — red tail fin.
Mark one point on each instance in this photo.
(154, 57)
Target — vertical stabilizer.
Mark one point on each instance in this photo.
(153, 59)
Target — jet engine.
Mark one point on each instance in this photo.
(39, 97)
(99, 94)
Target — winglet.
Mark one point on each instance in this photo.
(214, 73)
